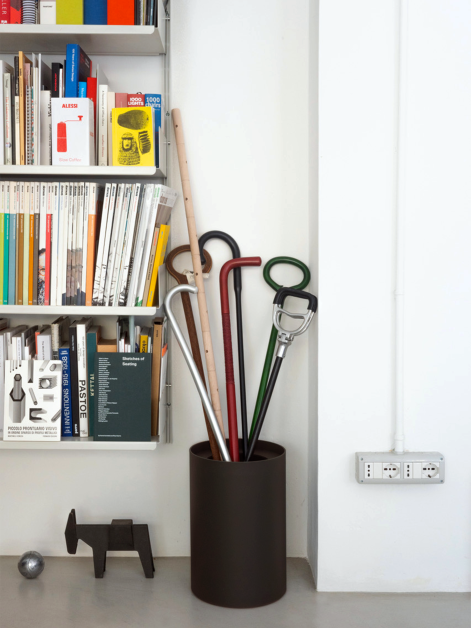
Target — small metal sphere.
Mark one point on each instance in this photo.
(31, 564)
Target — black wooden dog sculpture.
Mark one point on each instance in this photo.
(119, 536)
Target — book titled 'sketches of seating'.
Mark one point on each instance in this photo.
(133, 136)
(73, 133)
(122, 396)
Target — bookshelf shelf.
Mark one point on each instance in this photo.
(81, 444)
(81, 171)
(78, 310)
(96, 40)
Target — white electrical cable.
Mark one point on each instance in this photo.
(400, 228)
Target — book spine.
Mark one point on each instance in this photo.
(3, 357)
(159, 260)
(54, 258)
(15, 12)
(63, 226)
(64, 357)
(111, 106)
(2, 238)
(83, 270)
(70, 241)
(27, 208)
(90, 241)
(71, 74)
(121, 12)
(47, 11)
(92, 338)
(20, 238)
(82, 90)
(28, 12)
(31, 242)
(103, 125)
(69, 11)
(6, 244)
(7, 117)
(45, 148)
(55, 90)
(37, 229)
(42, 245)
(12, 247)
(47, 277)
(4, 19)
(17, 110)
(74, 380)
(94, 12)
(82, 378)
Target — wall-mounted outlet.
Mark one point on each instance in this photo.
(408, 468)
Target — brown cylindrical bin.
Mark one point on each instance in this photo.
(238, 527)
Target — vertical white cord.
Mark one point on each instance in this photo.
(400, 228)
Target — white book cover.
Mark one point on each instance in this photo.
(70, 241)
(128, 242)
(82, 373)
(4, 67)
(101, 244)
(28, 200)
(36, 109)
(141, 280)
(101, 79)
(7, 119)
(78, 241)
(44, 341)
(55, 245)
(140, 241)
(102, 115)
(111, 106)
(63, 230)
(86, 211)
(28, 124)
(42, 243)
(113, 244)
(44, 83)
(33, 397)
(47, 11)
(45, 123)
(120, 245)
(33, 114)
(73, 135)
(106, 248)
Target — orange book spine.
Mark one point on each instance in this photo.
(90, 258)
(121, 12)
(31, 259)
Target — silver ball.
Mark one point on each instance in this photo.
(31, 564)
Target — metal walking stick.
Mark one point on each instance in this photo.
(285, 339)
(194, 369)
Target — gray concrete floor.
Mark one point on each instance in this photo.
(66, 594)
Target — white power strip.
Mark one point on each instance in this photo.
(411, 467)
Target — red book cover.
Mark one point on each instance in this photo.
(136, 100)
(121, 101)
(91, 93)
(15, 11)
(4, 11)
(121, 12)
(47, 283)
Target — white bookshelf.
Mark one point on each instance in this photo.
(96, 40)
(81, 171)
(78, 310)
(81, 444)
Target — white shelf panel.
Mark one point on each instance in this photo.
(81, 444)
(81, 171)
(79, 310)
(94, 39)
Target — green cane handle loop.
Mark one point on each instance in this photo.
(293, 262)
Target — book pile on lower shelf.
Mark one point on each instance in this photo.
(63, 380)
(82, 243)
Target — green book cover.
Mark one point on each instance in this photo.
(6, 256)
(122, 396)
(69, 12)
(2, 248)
(93, 336)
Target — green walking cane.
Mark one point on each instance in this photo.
(273, 336)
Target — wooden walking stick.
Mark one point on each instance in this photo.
(195, 254)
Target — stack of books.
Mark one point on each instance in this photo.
(82, 243)
(127, 12)
(52, 372)
(66, 115)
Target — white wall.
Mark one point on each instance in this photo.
(394, 538)
(239, 76)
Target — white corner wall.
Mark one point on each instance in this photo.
(394, 538)
(239, 76)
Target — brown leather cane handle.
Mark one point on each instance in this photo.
(190, 323)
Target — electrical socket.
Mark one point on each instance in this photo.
(407, 468)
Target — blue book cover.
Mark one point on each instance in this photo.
(77, 68)
(6, 257)
(93, 336)
(95, 12)
(82, 90)
(155, 101)
(66, 419)
(12, 261)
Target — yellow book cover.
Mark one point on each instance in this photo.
(133, 136)
(69, 12)
(159, 260)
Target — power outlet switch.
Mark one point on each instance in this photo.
(409, 468)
